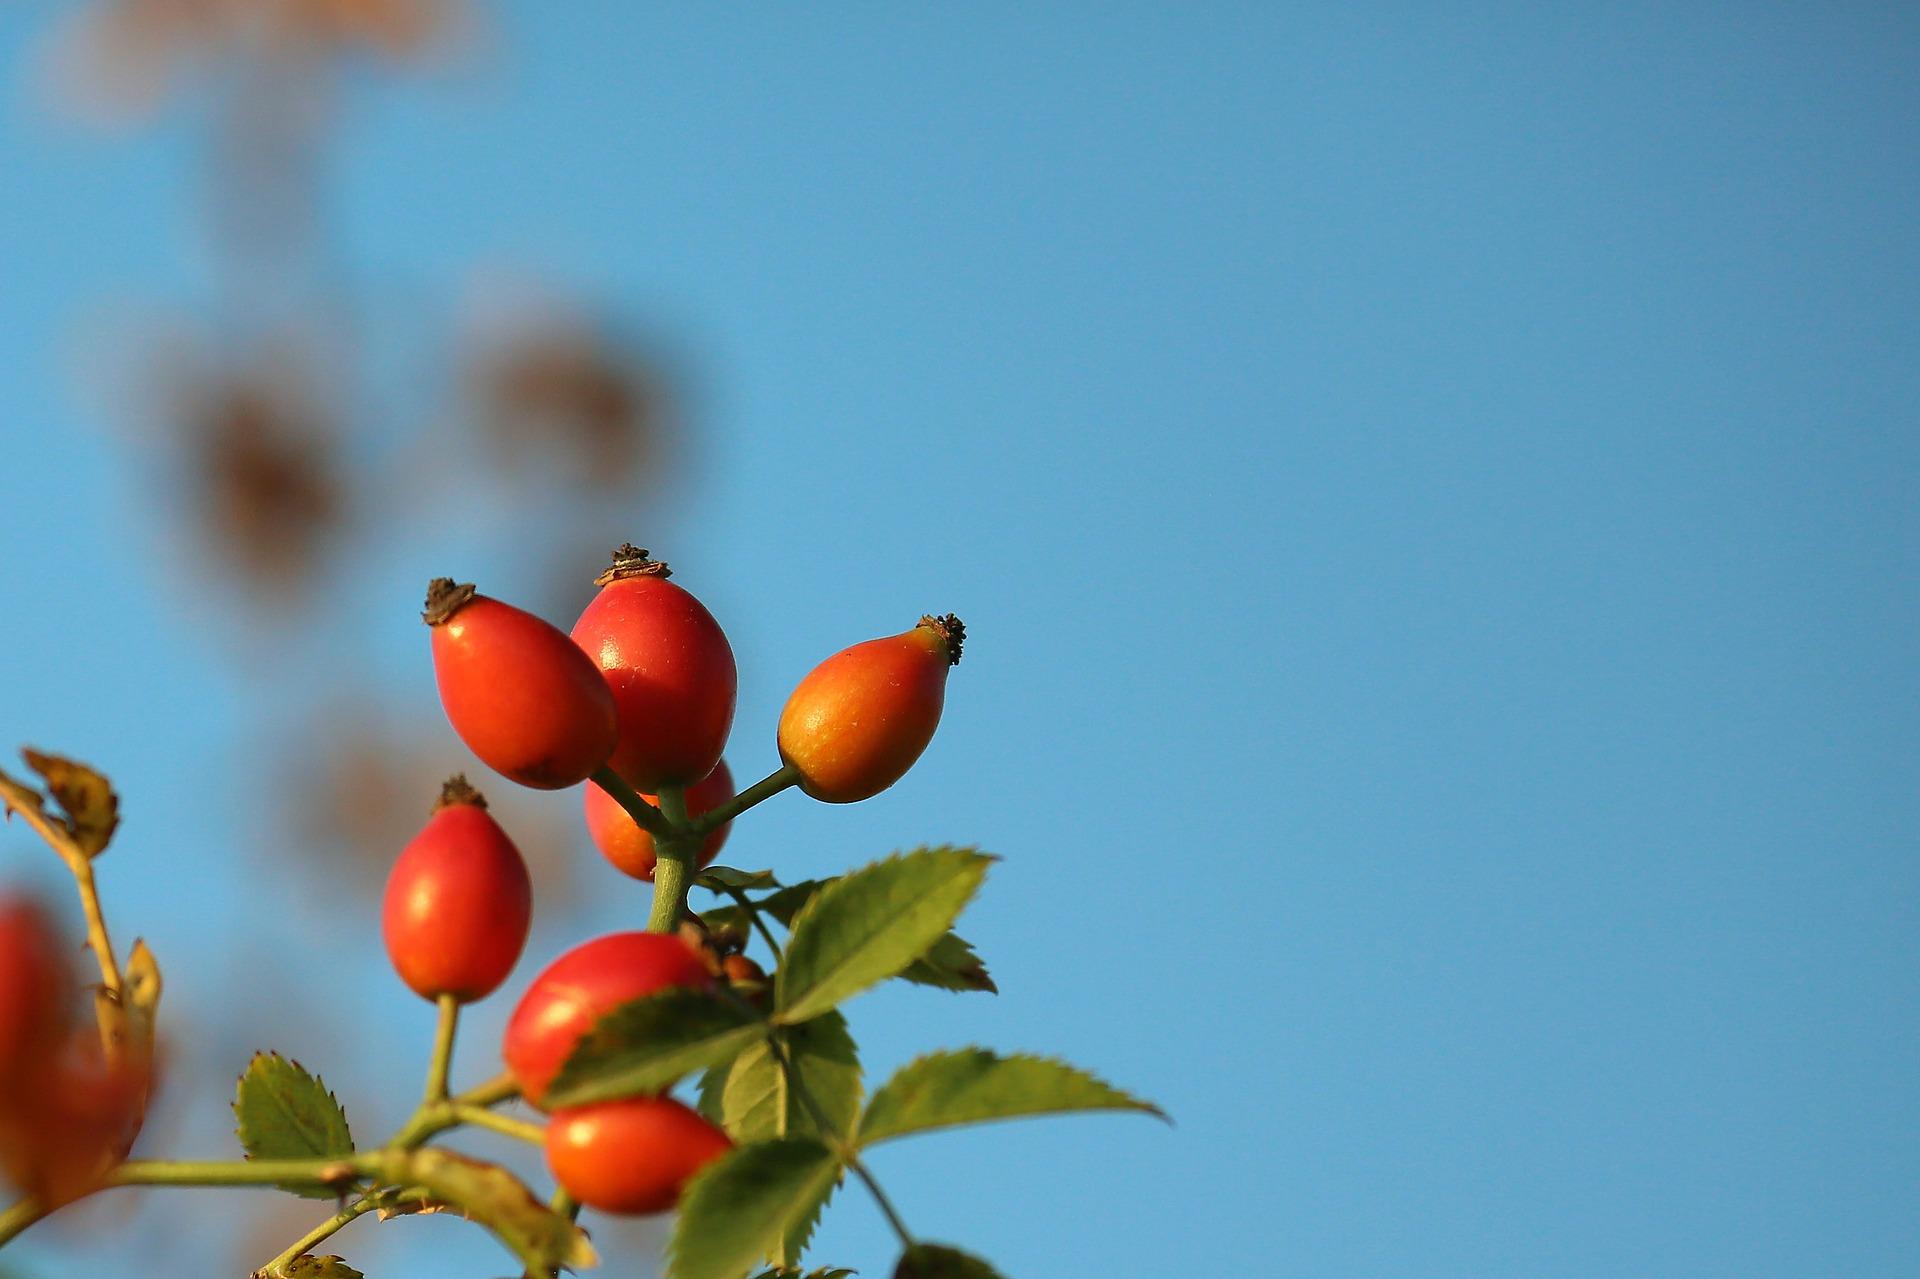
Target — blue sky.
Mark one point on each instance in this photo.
(1432, 494)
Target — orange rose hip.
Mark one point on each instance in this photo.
(859, 720)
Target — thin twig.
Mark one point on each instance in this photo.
(276, 1269)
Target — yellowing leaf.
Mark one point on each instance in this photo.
(91, 809)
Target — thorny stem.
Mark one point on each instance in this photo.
(673, 854)
(633, 801)
(276, 1269)
(766, 788)
(442, 1060)
(841, 1146)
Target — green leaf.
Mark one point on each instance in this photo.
(286, 1113)
(950, 964)
(712, 1091)
(865, 927)
(327, 1267)
(86, 798)
(972, 1085)
(800, 1232)
(540, 1237)
(644, 1045)
(721, 878)
(744, 1205)
(937, 1261)
(757, 1101)
(786, 903)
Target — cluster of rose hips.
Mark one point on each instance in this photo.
(637, 702)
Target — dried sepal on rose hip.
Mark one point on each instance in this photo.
(520, 694)
(631, 1157)
(670, 668)
(623, 842)
(859, 720)
(459, 901)
(583, 985)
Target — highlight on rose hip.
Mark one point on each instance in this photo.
(634, 706)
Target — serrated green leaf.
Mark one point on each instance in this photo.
(712, 1092)
(865, 927)
(720, 878)
(758, 1102)
(937, 1261)
(744, 1205)
(282, 1112)
(91, 810)
(644, 1045)
(327, 1267)
(540, 1237)
(950, 964)
(972, 1085)
(800, 1233)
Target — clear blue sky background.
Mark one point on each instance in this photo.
(1433, 491)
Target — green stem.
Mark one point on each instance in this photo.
(766, 788)
(18, 1217)
(567, 1206)
(437, 1117)
(482, 1118)
(841, 1146)
(276, 1268)
(502, 1087)
(880, 1197)
(673, 854)
(632, 800)
(759, 924)
(442, 1060)
(250, 1172)
(387, 1163)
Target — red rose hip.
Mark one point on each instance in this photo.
(631, 1157)
(459, 901)
(520, 693)
(670, 668)
(582, 986)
